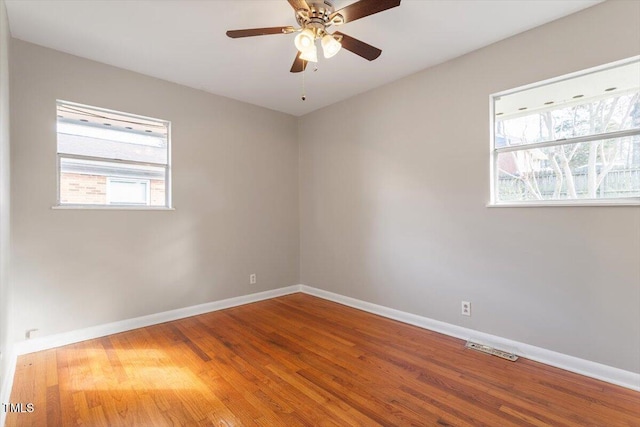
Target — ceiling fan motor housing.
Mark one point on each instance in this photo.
(318, 16)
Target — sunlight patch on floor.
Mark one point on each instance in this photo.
(137, 370)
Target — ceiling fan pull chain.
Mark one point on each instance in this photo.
(304, 68)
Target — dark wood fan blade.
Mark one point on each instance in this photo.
(298, 64)
(299, 4)
(234, 34)
(359, 48)
(364, 8)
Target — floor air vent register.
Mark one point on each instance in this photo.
(490, 350)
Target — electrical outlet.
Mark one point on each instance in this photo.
(466, 308)
(252, 279)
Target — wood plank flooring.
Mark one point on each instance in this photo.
(300, 360)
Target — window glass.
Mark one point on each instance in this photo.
(128, 191)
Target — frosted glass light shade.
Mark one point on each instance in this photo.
(304, 40)
(330, 46)
(310, 55)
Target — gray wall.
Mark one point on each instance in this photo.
(5, 295)
(380, 222)
(235, 190)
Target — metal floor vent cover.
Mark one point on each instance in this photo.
(490, 350)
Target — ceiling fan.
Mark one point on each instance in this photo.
(314, 17)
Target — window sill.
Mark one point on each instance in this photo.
(564, 203)
(113, 208)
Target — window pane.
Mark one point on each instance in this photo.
(603, 169)
(110, 144)
(127, 191)
(88, 182)
(606, 115)
(596, 103)
(94, 132)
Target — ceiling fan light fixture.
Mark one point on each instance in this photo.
(310, 54)
(330, 46)
(305, 40)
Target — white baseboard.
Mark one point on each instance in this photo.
(71, 337)
(584, 367)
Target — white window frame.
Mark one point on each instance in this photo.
(494, 152)
(167, 166)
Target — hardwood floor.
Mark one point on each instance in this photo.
(301, 360)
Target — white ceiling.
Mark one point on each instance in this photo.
(184, 41)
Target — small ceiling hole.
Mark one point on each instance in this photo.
(610, 89)
(578, 96)
(522, 109)
(548, 103)
(499, 114)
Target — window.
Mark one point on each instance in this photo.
(107, 158)
(122, 191)
(574, 140)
